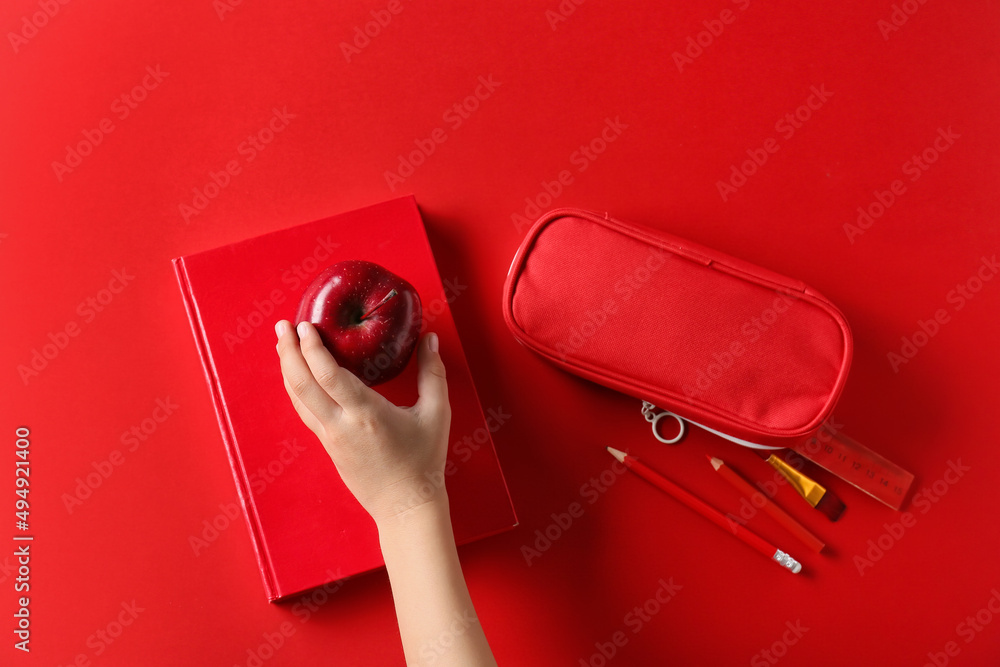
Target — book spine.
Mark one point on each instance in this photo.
(222, 415)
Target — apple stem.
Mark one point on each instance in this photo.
(381, 303)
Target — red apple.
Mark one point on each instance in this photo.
(368, 317)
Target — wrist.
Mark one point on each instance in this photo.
(394, 502)
(421, 508)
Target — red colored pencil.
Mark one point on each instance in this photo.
(751, 492)
(707, 511)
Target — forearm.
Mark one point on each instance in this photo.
(437, 621)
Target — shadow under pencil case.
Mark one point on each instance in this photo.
(753, 356)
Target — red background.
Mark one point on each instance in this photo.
(129, 541)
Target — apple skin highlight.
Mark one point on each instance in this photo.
(368, 317)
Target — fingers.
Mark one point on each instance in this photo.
(303, 389)
(307, 417)
(432, 384)
(339, 383)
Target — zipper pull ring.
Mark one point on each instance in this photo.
(653, 417)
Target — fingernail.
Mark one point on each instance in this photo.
(302, 329)
(280, 327)
(432, 342)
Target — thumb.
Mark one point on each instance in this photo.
(431, 382)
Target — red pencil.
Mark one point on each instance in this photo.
(752, 493)
(707, 511)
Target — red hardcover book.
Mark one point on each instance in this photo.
(306, 526)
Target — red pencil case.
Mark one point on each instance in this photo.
(724, 344)
(746, 353)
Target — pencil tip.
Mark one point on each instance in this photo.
(617, 453)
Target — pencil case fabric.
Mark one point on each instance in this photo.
(727, 345)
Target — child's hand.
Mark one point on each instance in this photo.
(391, 458)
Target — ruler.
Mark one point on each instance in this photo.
(854, 463)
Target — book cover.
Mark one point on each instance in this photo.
(307, 528)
